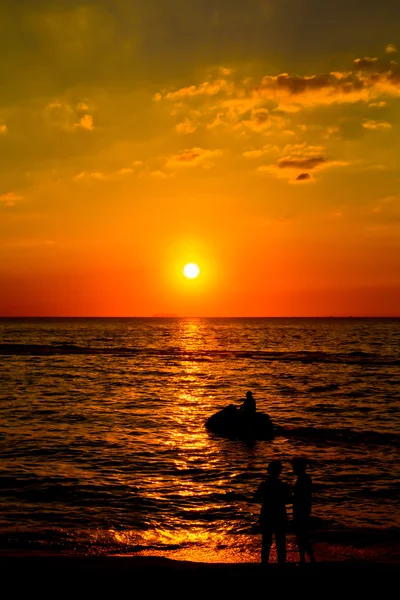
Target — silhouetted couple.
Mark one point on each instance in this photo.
(275, 494)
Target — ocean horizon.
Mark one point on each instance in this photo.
(176, 316)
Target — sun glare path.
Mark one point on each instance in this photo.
(191, 270)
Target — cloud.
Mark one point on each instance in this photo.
(295, 166)
(101, 176)
(365, 63)
(262, 151)
(192, 158)
(377, 125)
(287, 108)
(207, 88)
(331, 132)
(245, 106)
(158, 174)
(243, 103)
(303, 177)
(59, 115)
(9, 198)
(226, 71)
(308, 162)
(335, 87)
(187, 126)
(253, 153)
(127, 171)
(90, 175)
(241, 116)
(86, 122)
(62, 115)
(260, 115)
(380, 104)
(261, 121)
(391, 49)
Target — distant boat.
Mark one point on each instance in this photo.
(166, 315)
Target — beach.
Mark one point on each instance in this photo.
(359, 560)
(146, 575)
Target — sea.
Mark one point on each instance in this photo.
(104, 449)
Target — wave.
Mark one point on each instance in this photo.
(354, 357)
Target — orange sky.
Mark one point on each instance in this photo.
(259, 140)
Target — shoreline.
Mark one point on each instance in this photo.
(342, 549)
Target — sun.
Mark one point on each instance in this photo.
(191, 271)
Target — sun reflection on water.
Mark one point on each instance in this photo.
(199, 545)
(192, 334)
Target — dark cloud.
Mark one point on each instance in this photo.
(303, 177)
(377, 66)
(260, 115)
(299, 162)
(365, 63)
(297, 85)
(188, 156)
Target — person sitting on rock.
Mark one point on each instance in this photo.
(248, 407)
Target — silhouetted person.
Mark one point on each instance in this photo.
(302, 500)
(274, 494)
(248, 407)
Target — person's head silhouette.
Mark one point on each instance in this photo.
(299, 465)
(274, 468)
(249, 394)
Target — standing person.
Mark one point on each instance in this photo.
(274, 494)
(302, 500)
